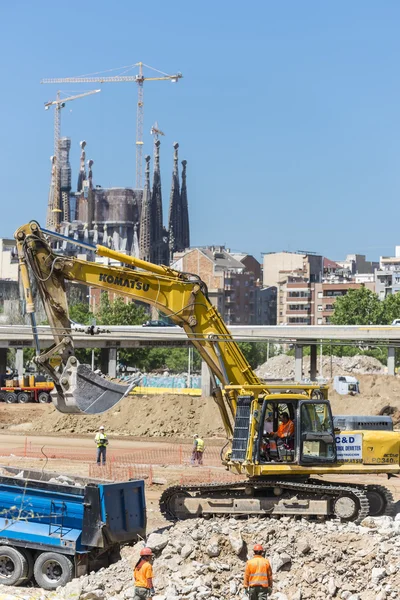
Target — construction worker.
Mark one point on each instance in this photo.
(286, 427)
(198, 450)
(258, 575)
(102, 443)
(143, 575)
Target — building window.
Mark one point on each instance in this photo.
(320, 294)
(299, 320)
(305, 294)
(320, 308)
(319, 322)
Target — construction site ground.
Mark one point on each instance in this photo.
(151, 438)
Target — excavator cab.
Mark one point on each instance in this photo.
(285, 426)
(309, 441)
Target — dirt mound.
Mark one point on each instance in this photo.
(282, 366)
(158, 416)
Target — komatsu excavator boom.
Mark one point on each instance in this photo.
(279, 466)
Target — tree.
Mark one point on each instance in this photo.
(80, 313)
(256, 353)
(359, 307)
(391, 308)
(120, 312)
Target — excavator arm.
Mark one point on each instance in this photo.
(183, 297)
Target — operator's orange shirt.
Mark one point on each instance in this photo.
(142, 573)
(286, 429)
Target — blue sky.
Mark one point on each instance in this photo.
(288, 113)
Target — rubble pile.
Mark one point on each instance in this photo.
(282, 366)
(204, 559)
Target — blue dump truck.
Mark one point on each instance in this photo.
(56, 531)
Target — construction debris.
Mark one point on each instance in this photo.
(204, 559)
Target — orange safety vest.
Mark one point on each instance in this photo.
(286, 429)
(258, 572)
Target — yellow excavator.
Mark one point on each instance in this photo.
(280, 471)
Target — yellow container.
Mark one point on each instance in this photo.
(31, 380)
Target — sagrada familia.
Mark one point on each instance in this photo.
(124, 219)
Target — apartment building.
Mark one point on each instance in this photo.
(301, 301)
(326, 294)
(387, 276)
(233, 281)
(293, 274)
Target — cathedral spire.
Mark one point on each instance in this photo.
(174, 221)
(156, 206)
(82, 172)
(185, 209)
(90, 195)
(145, 218)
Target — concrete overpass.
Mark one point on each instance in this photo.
(110, 339)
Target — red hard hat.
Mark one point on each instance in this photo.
(146, 552)
(258, 548)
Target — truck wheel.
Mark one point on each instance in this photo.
(11, 398)
(44, 398)
(52, 569)
(13, 566)
(23, 398)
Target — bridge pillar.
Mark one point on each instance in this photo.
(313, 362)
(108, 361)
(112, 362)
(3, 361)
(205, 379)
(298, 363)
(104, 360)
(19, 361)
(391, 361)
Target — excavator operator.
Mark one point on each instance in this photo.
(286, 427)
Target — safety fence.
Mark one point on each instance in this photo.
(29, 450)
(171, 454)
(171, 381)
(168, 462)
(163, 454)
(117, 472)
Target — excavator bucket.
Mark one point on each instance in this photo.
(81, 391)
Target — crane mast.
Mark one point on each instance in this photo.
(139, 79)
(55, 208)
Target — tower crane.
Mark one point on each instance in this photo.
(139, 79)
(54, 210)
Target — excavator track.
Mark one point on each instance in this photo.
(380, 499)
(382, 494)
(281, 498)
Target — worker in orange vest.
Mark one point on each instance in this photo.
(286, 428)
(258, 575)
(143, 575)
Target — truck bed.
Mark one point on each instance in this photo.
(43, 514)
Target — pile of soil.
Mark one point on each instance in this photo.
(173, 416)
(282, 366)
(153, 416)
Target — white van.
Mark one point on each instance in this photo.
(345, 385)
